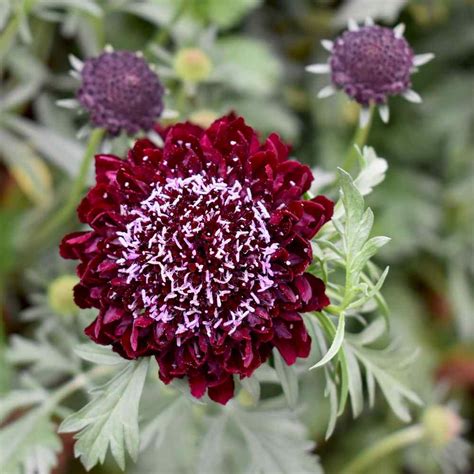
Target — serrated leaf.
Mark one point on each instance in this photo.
(110, 420)
(335, 345)
(211, 455)
(247, 65)
(277, 442)
(288, 379)
(63, 152)
(369, 334)
(395, 392)
(29, 444)
(372, 173)
(352, 200)
(355, 383)
(101, 355)
(16, 399)
(369, 249)
(28, 169)
(154, 433)
(87, 6)
(44, 356)
(225, 14)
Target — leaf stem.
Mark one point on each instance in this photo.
(64, 213)
(360, 139)
(165, 31)
(78, 382)
(393, 442)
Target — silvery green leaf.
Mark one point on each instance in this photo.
(29, 444)
(369, 334)
(19, 399)
(41, 354)
(355, 382)
(21, 94)
(372, 172)
(153, 433)
(371, 292)
(252, 386)
(288, 379)
(277, 442)
(335, 345)
(211, 454)
(87, 6)
(5, 10)
(110, 419)
(380, 366)
(63, 152)
(28, 169)
(352, 200)
(369, 249)
(225, 14)
(101, 355)
(247, 65)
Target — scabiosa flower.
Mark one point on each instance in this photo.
(120, 91)
(198, 251)
(371, 63)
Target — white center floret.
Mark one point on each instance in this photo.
(198, 251)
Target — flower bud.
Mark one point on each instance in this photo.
(192, 65)
(203, 117)
(60, 295)
(442, 425)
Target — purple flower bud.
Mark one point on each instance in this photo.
(371, 64)
(121, 92)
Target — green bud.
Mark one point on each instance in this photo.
(203, 117)
(441, 424)
(60, 295)
(192, 65)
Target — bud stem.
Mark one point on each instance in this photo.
(393, 442)
(66, 211)
(360, 139)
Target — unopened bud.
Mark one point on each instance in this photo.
(60, 295)
(192, 65)
(442, 425)
(204, 118)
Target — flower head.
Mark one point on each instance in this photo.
(371, 63)
(198, 251)
(120, 92)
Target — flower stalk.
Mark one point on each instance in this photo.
(398, 440)
(359, 140)
(65, 212)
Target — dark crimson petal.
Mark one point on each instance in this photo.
(223, 392)
(77, 245)
(314, 290)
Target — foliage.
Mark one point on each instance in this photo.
(283, 419)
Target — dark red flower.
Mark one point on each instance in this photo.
(120, 92)
(197, 254)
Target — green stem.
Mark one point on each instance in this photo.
(65, 212)
(164, 34)
(75, 384)
(360, 139)
(8, 35)
(385, 446)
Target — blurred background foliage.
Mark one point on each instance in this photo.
(258, 50)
